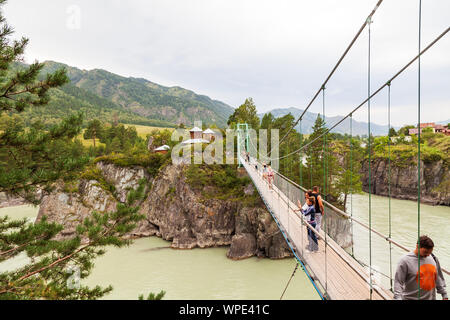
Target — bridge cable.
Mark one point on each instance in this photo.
(310, 165)
(389, 181)
(288, 189)
(351, 178)
(334, 69)
(300, 156)
(374, 270)
(325, 173)
(418, 153)
(301, 178)
(374, 93)
(305, 146)
(292, 275)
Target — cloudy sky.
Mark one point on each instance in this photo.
(277, 52)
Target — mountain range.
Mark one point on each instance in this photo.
(108, 96)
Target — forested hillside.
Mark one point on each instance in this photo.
(110, 97)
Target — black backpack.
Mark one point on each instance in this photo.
(438, 267)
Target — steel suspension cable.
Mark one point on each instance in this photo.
(351, 177)
(300, 156)
(324, 158)
(292, 275)
(389, 182)
(288, 173)
(418, 153)
(310, 170)
(370, 165)
(375, 92)
(334, 68)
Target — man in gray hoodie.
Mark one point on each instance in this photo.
(406, 285)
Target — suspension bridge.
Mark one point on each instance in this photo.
(334, 271)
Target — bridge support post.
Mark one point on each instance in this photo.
(242, 133)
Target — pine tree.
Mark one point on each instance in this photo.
(289, 163)
(47, 276)
(246, 113)
(94, 130)
(331, 166)
(33, 157)
(315, 155)
(348, 178)
(22, 88)
(289, 160)
(392, 132)
(267, 122)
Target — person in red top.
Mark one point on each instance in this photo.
(270, 177)
(407, 286)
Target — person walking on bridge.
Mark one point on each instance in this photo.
(431, 277)
(308, 194)
(270, 177)
(305, 206)
(264, 171)
(318, 204)
(310, 212)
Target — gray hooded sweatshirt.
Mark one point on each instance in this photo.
(406, 278)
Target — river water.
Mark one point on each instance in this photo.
(434, 222)
(148, 265)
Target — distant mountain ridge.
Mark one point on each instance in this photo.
(443, 122)
(358, 127)
(132, 99)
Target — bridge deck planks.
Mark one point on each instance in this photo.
(341, 280)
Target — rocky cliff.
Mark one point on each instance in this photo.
(435, 180)
(10, 201)
(173, 209)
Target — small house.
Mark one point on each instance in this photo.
(193, 141)
(208, 134)
(196, 133)
(163, 149)
(436, 128)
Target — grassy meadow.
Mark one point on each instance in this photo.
(141, 130)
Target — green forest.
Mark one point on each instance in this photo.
(112, 98)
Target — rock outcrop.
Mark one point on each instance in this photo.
(7, 200)
(10, 201)
(173, 211)
(123, 178)
(69, 209)
(434, 184)
(184, 217)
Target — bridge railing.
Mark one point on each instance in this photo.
(337, 223)
(295, 228)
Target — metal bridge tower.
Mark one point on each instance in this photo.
(242, 140)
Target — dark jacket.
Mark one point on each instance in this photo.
(310, 211)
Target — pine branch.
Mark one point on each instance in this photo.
(21, 246)
(52, 264)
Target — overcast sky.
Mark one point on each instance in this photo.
(277, 52)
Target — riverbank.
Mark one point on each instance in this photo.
(402, 180)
